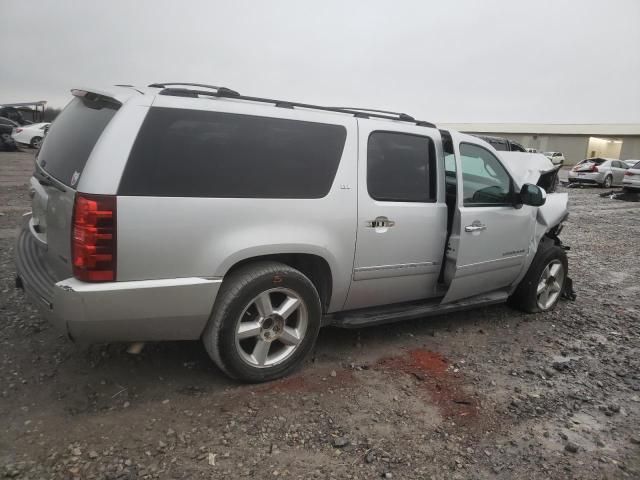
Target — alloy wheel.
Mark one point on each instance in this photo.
(271, 327)
(550, 284)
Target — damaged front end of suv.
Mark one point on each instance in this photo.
(537, 169)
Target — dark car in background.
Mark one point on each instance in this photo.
(7, 143)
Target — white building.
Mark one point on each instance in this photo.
(576, 141)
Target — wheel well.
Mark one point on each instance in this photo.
(314, 267)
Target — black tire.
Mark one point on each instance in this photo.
(608, 181)
(236, 294)
(35, 142)
(525, 297)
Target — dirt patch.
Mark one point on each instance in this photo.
(301, 382)
(442, 382)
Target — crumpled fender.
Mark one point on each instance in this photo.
(554, 210)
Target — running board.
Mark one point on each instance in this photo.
(367, 317)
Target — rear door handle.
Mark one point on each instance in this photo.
(475, 227)
(380, 222)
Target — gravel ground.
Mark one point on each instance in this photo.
(490, 393)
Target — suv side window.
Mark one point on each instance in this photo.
(485, 181)
(198, 153)
(401, 167)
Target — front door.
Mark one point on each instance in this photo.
(490, 237)
(402, 217)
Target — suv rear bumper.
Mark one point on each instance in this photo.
(166, 309)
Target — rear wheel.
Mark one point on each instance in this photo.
(265, 321)
(542, 286)
(608, 181)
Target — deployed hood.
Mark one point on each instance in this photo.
(527, 167)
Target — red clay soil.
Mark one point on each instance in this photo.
(438, 380)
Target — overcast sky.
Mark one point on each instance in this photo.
(549, 61)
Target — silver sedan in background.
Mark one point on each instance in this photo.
(632, 177)
(605, 172)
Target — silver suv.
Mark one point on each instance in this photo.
(183, 211)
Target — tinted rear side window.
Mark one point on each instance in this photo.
(194, 153)
(401, 167)
(72, 136)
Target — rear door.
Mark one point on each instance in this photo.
(59, 165)
(402, 217)
(490, 236)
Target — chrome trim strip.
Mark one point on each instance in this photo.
(399, 270)
(396, 266)
(487, 262)
(72, 284)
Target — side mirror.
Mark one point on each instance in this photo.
(532, 195)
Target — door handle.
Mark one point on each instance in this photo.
(475, 227)
(380, 222)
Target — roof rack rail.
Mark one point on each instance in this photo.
(403, 116)
(125, 85)
(187, 84)
(168, 89)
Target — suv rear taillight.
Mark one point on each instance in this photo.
(629, 174)
(18, 130)
(93, 238)
(594, 168)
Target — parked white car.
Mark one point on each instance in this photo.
(632, 177)
(605, 172)
(557, 158)
(31, 135)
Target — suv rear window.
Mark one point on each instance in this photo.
(72, 136)
(195, 153)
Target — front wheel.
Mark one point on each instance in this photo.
(542, 286)
(265, 321)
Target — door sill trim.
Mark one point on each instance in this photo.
(372, 316)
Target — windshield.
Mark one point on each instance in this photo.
(71, 138)
(636, 166)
